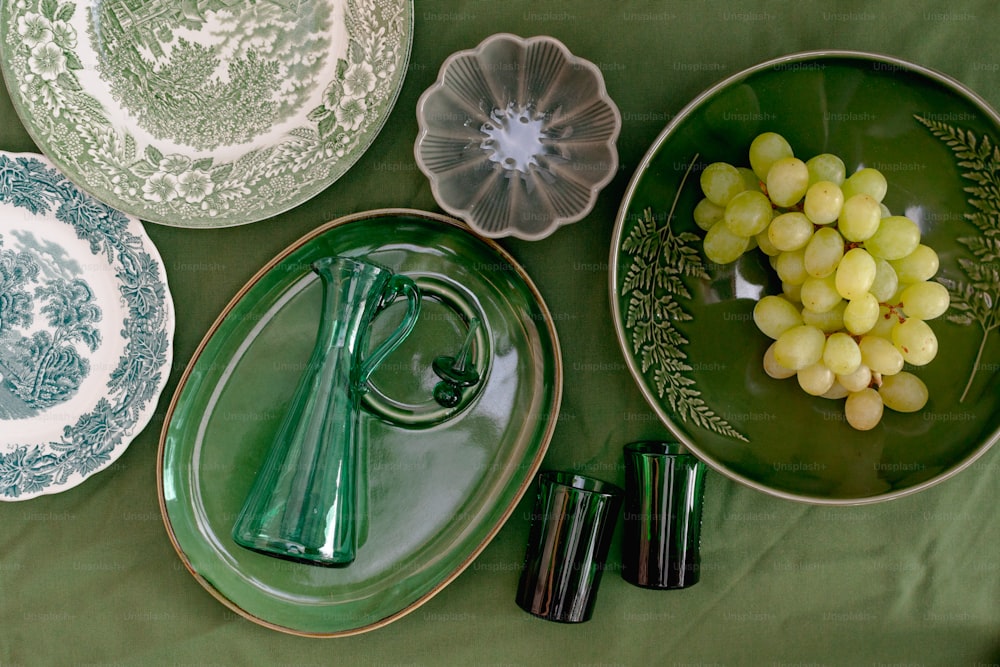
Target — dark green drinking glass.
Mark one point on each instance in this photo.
(572, 523)
(664, 488)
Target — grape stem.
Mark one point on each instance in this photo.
(896, 310)
(798, 206)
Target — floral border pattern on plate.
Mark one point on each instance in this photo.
(97, 437)
(161, 185)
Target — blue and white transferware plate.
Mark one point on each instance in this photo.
(86, 330)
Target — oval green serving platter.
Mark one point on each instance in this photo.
(686, 326)
(436, 491)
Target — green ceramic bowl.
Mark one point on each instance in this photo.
(686, 327)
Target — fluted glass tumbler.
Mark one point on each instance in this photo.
(661, 543)
(572, 523)
(304, 504)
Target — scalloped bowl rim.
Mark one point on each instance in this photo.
(611, 142)
(664, 416)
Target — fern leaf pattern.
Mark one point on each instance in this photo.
(655, 292)
(976, 299)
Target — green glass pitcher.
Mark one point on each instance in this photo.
(304, 504)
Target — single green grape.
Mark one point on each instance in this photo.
(880, 355)
(773, 368)
(867, 181)
(925, 300)
(750, 179)
(707, 214)
(791, 292)
(819, 295)
(787, 181)
(841, 354)
(774, 315)
(720, 182)
(836, 392)
(863, 409)
(790, 231)
(790, 267)
(826, 167)
(722, 246)
(824, 252)
(748, 213)
(859, 217)
(765, 150)
(921, 264)
(856, 381)
(828, 322)
(897, 236)
(886, 282)
(816, 379)
(764, 243)
(916, 341)
(855, 273)
(904, 392)
(823, 202)
(861, 314)
(799, 347)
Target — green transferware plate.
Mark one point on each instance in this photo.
(437, 492)
(86, 330)
(685, 325)
(204, 113)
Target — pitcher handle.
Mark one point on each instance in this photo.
(397, 286)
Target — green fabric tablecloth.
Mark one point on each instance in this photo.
(88, 576)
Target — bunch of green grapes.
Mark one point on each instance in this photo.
(856, 280)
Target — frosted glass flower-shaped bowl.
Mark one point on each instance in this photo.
(517, 136)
